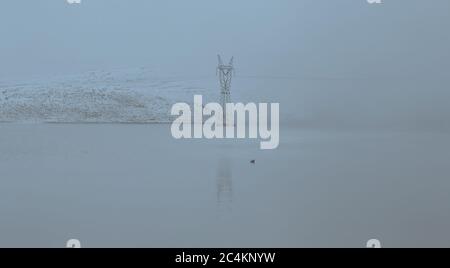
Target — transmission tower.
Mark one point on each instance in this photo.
(225, 73)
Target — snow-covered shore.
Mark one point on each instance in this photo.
(120, 96)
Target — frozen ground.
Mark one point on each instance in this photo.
(142, 95)
(119, 96)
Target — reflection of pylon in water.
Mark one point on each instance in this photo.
(224, 183)
(225, 73)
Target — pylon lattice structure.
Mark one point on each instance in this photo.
(225, 72)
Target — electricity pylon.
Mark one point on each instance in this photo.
(225, 73)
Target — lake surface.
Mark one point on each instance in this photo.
(133, 185)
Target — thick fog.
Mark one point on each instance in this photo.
(365, 121)
(397, 52)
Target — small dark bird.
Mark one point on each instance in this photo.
(253, 161)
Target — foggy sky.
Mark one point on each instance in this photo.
(317, 38)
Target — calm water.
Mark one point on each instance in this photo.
(135, 186)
